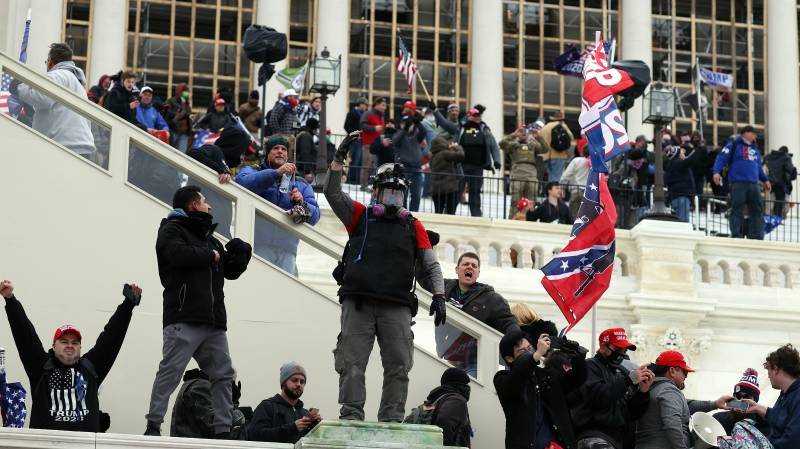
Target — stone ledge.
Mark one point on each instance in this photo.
(361, 434)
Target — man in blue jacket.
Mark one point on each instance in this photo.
(271, 242)
(742, 157)
(147, 114)
(783, 369)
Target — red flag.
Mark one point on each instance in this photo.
(578, 276)
(601, 80)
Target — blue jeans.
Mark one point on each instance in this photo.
(682, 207)
(414, 177)
(555, 167)
(354, 174)
(746, 194)
(427, 184)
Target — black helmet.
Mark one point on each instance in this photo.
(390, 175)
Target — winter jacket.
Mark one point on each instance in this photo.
(548, 213)
(452, 414)
(215, 121)
(193, 283)
(265, 183)
(407, 148)
(526, 391)
(481, 302)
(118, 101)
(193, 412)
(283, 119)
(149, 116)
(384, 154)
(178, 115)
(443, 166)
(576, 174)
(251, 116)
(54, 119)
(546, 135)
(369, 121)
(609, 403)
(678, 175)
(352, 121)
(522, 154)
(743, 161)
(780, 169)
(665, 423)
(65, 397)
(211, 156)
(699, 160)
(273, 421)
(306, 151)
(784, 418)
(306, 112)
(728, 419)
(457, 131)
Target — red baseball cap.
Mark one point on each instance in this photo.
(66, 329)
(673, 358)
(474, 112)
(219, 101)
(410, 105)
(616, 337)
(523, 203)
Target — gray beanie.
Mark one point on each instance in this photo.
(289, 369)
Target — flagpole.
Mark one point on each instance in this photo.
(425, 89)
(699, 106)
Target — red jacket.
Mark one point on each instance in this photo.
(369, 121)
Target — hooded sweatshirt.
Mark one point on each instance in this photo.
(55, 120)
(743, 160)
(65, 397)
(452, 413)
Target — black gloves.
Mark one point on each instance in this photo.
(344, 147)
(236, 392)
(238, 246)
(497, 165)
(237, 256)
(432, 106)
(130, 296)
(438, 309)
(13, 87)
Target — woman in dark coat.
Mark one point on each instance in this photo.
(444, 169)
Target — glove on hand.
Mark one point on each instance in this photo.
(300, 213)
(438, 309)
(344, 147)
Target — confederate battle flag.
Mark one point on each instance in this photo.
(578, 276)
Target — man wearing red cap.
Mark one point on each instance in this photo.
(665, 424)
(63, 383)
(217, 119)
(612, 396)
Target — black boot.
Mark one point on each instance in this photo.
(153, 429)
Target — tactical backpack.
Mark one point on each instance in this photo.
(745, 435)
(425, 413)
(559, 138)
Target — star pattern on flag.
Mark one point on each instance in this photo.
(565, 265)
(12, 402)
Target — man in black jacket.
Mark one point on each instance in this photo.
(121, 101)
(450, 409)
(383, 147)
(282, 418)
(478, 300)
(193, 266)
(781, 173)
(63, 383)
(352, 123)
(534, 399)
(553, 209)
(193, 412)
(610, 400)
(306, 150)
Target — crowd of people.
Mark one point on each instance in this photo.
(552, 395)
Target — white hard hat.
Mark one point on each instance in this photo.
(290, 93)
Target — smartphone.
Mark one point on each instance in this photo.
(313, 411)
(630, 368)
(738, 405)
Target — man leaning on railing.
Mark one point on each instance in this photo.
(52, 118)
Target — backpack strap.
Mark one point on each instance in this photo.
(435, 405)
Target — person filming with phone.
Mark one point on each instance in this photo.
(746, 388)
(64, 382)
(282, 418)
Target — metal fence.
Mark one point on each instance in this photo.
(709, 214)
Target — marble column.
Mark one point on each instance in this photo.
(636, 43)
(107, 53)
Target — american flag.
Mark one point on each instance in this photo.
(12, 402)
(406, 65)
(4, 93)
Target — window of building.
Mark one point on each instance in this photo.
(435, 31)
(197, 43)
(76, 31)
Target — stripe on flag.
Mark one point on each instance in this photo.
(406, 65)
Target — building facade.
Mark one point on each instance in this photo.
(497, 52)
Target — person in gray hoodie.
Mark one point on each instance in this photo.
(665, 424)
(52, 118)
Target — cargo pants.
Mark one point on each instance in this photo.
(523, 185)
(363, 320)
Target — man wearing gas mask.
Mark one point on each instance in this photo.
(614, 395)
(376, 275)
